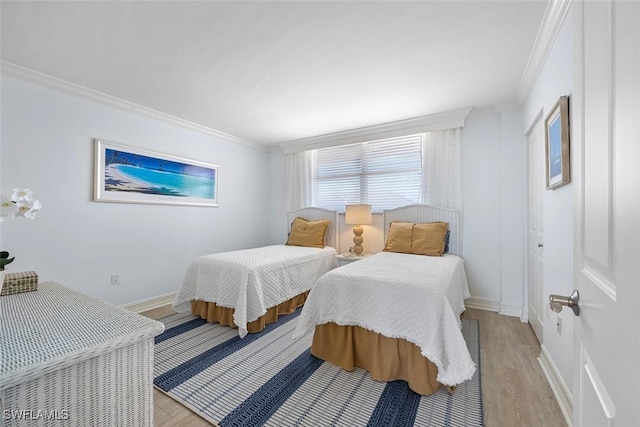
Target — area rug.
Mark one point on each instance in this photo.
(270, 379)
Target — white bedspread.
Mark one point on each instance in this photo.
(253, 280)
(413, 297)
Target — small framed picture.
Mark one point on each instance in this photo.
(557, 145)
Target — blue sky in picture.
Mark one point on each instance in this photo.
(154, 163)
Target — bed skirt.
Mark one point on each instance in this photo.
(386, 359)
(213, 313)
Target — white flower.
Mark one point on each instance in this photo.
(21, 205)
(5, 203)
(7, 208)
(22, 196)
(28, 210)
(35, 208)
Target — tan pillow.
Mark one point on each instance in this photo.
(399, 238)
(308, 233)
(428, 239)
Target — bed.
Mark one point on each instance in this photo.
(395, 314)
(251, 288)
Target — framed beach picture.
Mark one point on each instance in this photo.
(127, 174)
(557, 145)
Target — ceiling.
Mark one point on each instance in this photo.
(275, 71)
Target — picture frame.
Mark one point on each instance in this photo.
(557, 145)
(126, 174)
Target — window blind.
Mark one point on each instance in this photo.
(385, 173)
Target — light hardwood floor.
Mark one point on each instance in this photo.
(514, 390)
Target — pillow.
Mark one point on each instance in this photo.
(429, 238)
(307, 233)
(399, 238)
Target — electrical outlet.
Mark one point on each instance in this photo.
(115, 279)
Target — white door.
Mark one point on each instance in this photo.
(606, 137)
(536, 302)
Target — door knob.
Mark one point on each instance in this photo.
(556, 302)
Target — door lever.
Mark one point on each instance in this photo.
(556, 302)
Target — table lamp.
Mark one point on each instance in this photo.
(357, 215)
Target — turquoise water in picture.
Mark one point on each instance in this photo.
(180, 184)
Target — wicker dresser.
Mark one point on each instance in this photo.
(70, 360)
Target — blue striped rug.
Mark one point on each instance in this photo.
(270, 379)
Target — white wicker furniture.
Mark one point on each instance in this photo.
(70, 360)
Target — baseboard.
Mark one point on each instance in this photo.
(514, 310)
(151, 303)
(482, 304)
(557, 384)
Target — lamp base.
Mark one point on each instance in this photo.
(358, 240)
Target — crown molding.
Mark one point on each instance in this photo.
(433, 122)
(9, 69)
(552, 21)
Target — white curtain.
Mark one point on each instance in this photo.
(299, 180)
(442, 169)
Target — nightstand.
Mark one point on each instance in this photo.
(344, 259)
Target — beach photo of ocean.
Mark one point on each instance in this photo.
(136, 173)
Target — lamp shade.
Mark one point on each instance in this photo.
(357, 214)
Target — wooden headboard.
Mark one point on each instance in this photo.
(426, 213)
(313, 214)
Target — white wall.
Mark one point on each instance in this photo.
(555, 80)
(277, 197)
(481, 185)
(513, 202)
(494, 178)
(47, 146)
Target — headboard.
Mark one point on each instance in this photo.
(313, 214)
(426, 213)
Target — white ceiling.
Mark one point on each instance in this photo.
(275, 71)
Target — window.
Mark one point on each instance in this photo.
(385, 174)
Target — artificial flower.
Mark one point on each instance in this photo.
(30, 211)
(22, 196)
(7, 208)
(21, 205)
